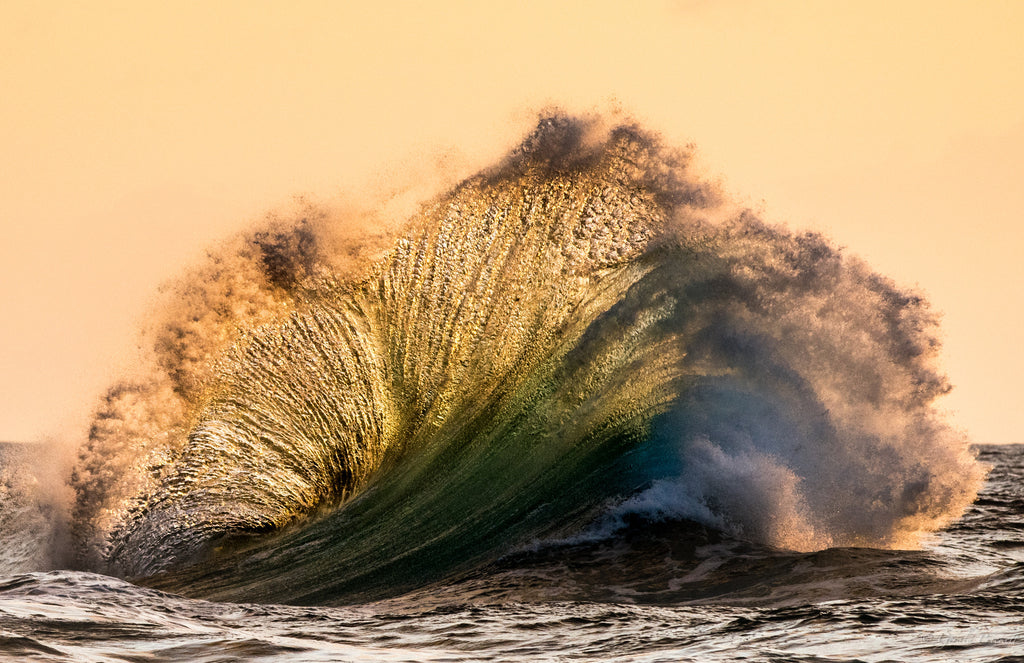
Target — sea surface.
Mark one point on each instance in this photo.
(960, 598)
(582, 406)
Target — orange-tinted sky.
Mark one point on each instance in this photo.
(133, 134)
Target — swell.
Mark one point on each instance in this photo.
(584, 333)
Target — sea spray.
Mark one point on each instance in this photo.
(583, 331)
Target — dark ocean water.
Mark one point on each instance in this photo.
(580, 407)
(960, 598)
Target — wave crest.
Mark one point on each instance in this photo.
(582, 331)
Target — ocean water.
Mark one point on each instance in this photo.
(646, 596)
(580, 407)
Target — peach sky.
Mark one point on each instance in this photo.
(134, 134)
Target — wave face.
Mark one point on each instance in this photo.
(581, 337)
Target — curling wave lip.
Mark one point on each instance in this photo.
(583, 335)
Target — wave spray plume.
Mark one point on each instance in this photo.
(583, 335)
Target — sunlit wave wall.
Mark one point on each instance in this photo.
(584, 331)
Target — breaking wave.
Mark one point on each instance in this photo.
(582, 336)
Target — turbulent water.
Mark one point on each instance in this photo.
(580, 406)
